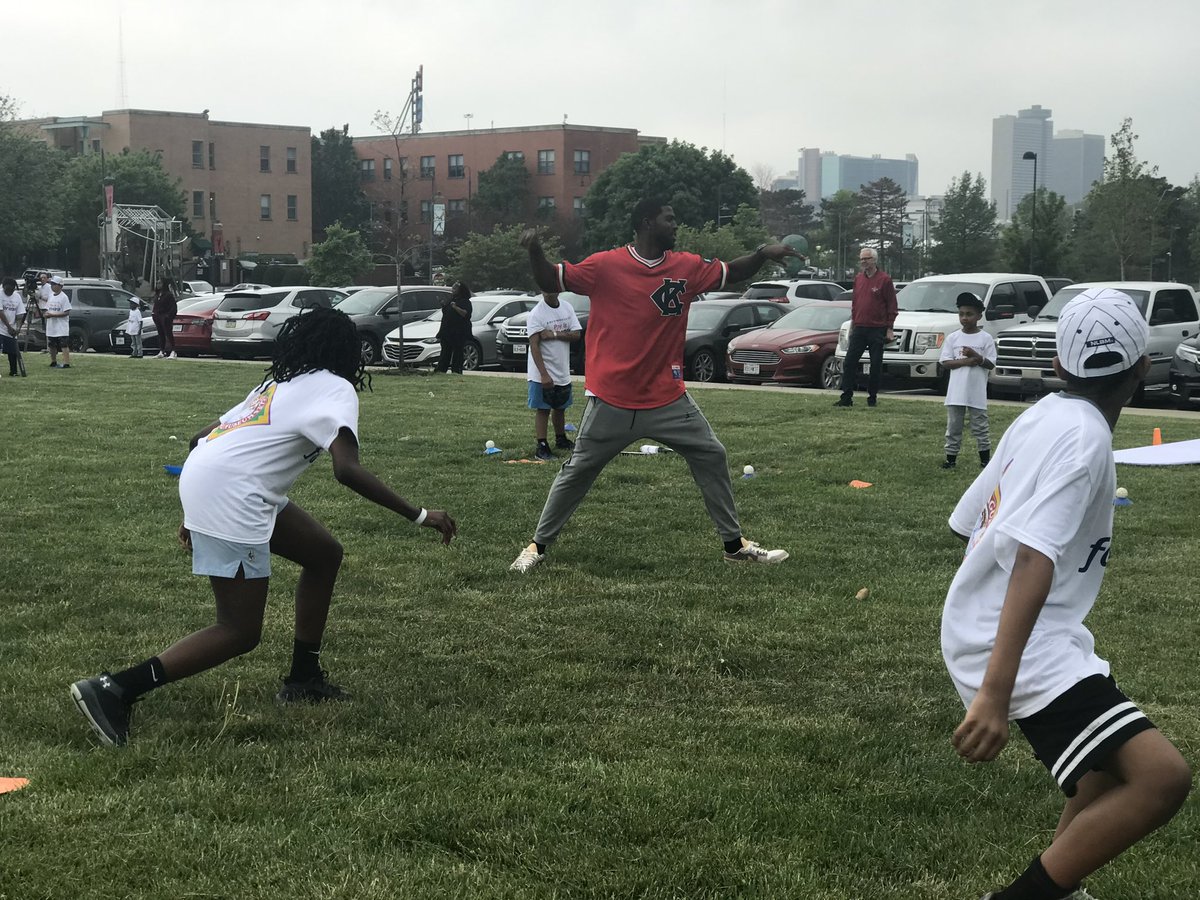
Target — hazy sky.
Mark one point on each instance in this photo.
(757, 78)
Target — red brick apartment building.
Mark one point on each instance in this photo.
(562, 161)
(248, 186)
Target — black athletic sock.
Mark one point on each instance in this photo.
(306, 661)
(1034, 884)
(141, 679)
(542, 442)
(541, 548)
(733, 546)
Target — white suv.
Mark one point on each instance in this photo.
(795, 292)
(928, 311)
(246, 322)
(1025, 355)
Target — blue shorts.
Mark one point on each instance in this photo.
(214, 556)
(537, 399)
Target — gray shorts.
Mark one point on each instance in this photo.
(215, 556)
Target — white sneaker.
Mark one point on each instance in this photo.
(751, 552)
(173, 355)
(527, 560)
(1081, 894)
(160, 355)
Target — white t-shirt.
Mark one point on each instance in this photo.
(236, 480)
(58, 327)
(134, 324)
(43, 294)
(1049, 486)
(968, 384)
(555, 354)
(13, 306)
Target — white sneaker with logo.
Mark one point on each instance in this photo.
(528, 558)
(753, 553)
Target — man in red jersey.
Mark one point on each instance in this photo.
(640, 296)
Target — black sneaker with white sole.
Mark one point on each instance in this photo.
(314, 690)
(104, 705)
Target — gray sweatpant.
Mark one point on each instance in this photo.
(954, 428)
(607, 430)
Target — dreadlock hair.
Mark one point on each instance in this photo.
(321, 338)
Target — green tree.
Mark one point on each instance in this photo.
(786, 212)
(496, 259)
(504, 196)
(883, 203)
(1050, 230)
(964, 238)
(340, 258)
(31, 210)
(738, 237)
(337, 194)
(695, 182)
(843, 227)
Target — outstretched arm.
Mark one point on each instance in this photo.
(350, 472)
(745, 266)
(544, 273)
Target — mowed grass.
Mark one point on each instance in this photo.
(633, 719)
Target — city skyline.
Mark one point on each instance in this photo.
(251, 63)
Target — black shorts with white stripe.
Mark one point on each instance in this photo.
(1082, 728)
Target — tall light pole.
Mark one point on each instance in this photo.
(468, 117)
(1029, 154)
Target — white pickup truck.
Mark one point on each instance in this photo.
(928, 311)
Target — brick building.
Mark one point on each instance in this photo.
(248, 186)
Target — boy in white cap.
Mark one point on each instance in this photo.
(58, 324)
(133, 328)
(1038, 525)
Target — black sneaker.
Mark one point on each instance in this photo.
(543, 452)
(564, 443)
(843, 401)
(950, 464)
(871, 402)
(103, 704)
(314, 690)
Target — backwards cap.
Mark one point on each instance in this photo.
(1103, 327)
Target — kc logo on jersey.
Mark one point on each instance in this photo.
(669, 297)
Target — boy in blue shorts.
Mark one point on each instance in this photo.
(1038, 525)
(552, 326)
(236, 512)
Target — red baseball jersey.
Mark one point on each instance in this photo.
(638, 321)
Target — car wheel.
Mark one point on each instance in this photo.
(472, 356)
(370, 350)
(704, 367)
(831, 373)
(77, 340)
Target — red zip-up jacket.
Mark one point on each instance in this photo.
(874, 304)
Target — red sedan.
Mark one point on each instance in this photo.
(193, 325)
(795, 349)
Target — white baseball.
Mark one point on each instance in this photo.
(1122, 493)
(490, 445)
(172, 438)
(748, 470)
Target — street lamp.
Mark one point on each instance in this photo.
(468, 117)
(1029, 154)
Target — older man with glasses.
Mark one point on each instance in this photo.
(872, 312)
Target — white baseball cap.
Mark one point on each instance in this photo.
(1104, 327)
(56, 280)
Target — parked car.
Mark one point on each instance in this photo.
(488, 314)
(1024, 356)
(193, 288)
(929, 311)
(720, 295)
(1185, 372)
(246, 322)
(376, 312)
(96, 307)
(355, 288)
(713, 324)
(512, 339)
(796, 349)
(190, 339)
(249, 286)
(793, 291)
(1057, 284)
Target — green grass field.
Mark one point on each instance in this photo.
(633, 719)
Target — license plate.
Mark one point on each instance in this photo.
(519, 349)
(121, 341)
(750, 369)
(177, 328)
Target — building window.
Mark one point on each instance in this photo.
(425, 213)
(545, 162)
(580, 208)
(292, 215)
(583, 162)
(546, 203)
(366, 169)
(456, 207)
(403, 212)
(514, 154)
(212, 155)
(403, 168)
(388, 210)
(427, 167)
(264, 206)
(387, 168)
(197, 154)
(212, 206)
(371, 210)
(95, 145)
(264, 159)
(197, 204)
(454, 166)
(291, 160)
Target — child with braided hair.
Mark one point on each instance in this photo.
(234, 488)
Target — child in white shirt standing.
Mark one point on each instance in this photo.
(133, 328)
(969, 354)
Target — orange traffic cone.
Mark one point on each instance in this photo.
(1157, 439)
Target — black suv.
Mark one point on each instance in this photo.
(376, 312)
(96, 308)
(512, 340)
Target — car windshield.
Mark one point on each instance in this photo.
(248, 302)
(817, 317)
(702, 317)
(1054, 308)
(765, 291)
(365, 302)
(937, 296)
